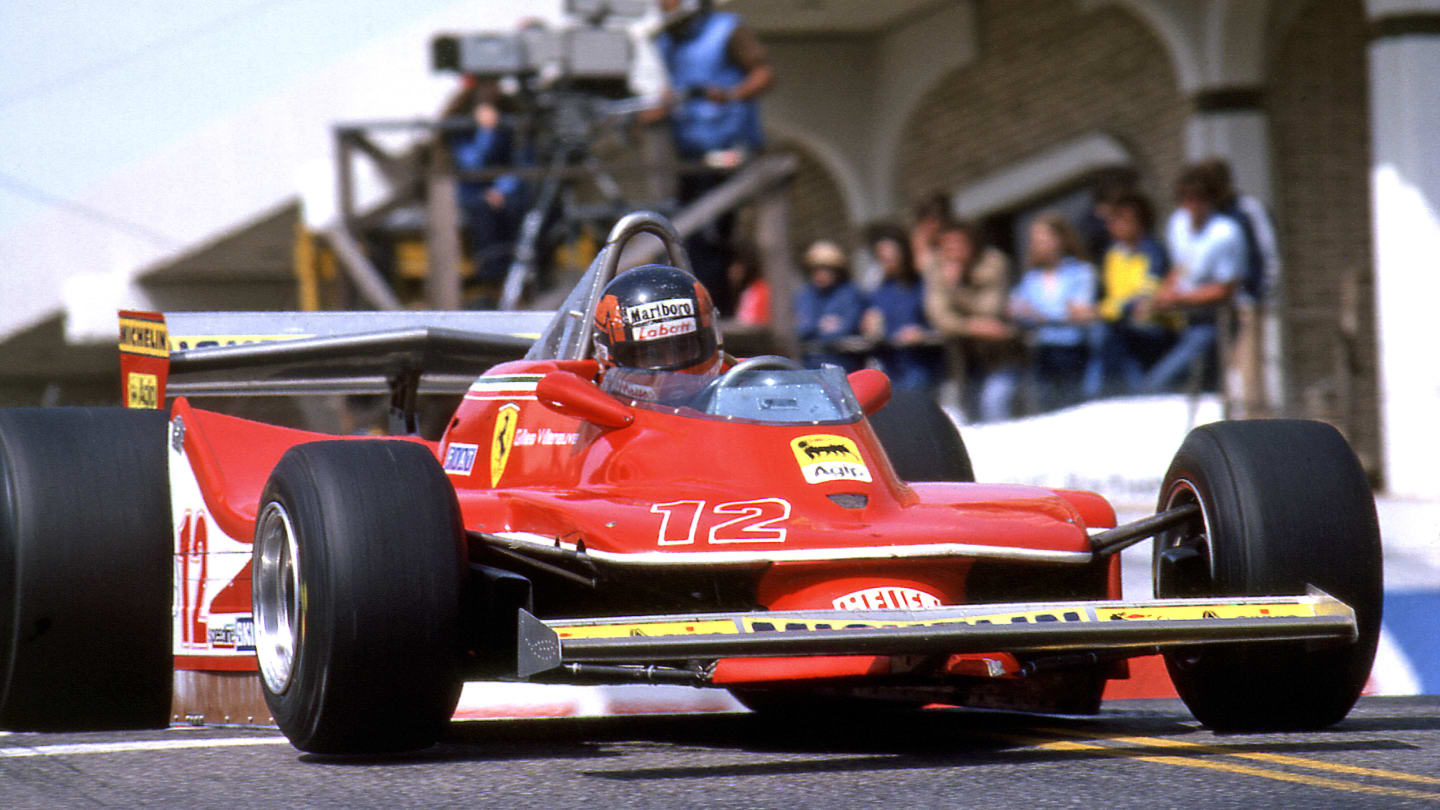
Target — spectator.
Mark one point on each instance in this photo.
(1262, 262)
(1094, 226)
(1127, 339)
(1209, 254)
(717, 69)
(491, 207)
(966, 287)
(752, 304)
(897, 315)
(828, 308)
(1054, 302)
(931, 214)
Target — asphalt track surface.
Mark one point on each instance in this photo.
(1136, 754)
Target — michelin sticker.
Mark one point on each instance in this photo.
(460, 458)
(825, 457)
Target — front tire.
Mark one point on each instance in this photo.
(1284, 504)
(920, 440)
(357, 568)
(85, 569)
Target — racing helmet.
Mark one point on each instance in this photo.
(657, 317)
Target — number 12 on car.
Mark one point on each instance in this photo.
(730, 522)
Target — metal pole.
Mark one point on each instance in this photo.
(442, 232)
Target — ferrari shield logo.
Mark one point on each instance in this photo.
(503, 440)
(826, 457)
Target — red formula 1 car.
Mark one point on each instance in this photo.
(777, 531)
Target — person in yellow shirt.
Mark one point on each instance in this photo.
(1126, 338)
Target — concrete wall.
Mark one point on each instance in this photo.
(1321, 145)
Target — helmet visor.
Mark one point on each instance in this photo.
(667, 353)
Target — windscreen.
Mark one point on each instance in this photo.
(765, 396)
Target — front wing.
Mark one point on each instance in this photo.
(1056, 627)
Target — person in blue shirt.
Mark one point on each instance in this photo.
(491, 207)
(896, 317)
(717, 70)
(828, 308)
(1054, 303)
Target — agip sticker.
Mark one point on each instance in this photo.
(826, 457)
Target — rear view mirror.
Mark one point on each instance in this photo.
(871, 387)
(570, 395)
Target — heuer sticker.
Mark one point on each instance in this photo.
(503, 440)
(460, 458)
(825, 457)
(664, 329)
(668, 309)
(889, 598)
(142, 390)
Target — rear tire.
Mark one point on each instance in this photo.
(1285, 504)
(85, 566)
(358, 570)
(921, 441)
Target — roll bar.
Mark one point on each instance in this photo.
(568, 336)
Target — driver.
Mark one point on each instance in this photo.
(659, 318)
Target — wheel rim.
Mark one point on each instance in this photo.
(1183, 492)
(277, 597)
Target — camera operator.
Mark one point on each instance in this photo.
(717, 68)
(491, 208)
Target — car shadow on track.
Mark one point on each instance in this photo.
(852, 741)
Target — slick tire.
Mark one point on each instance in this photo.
(357, 585)
(1284, 504)
(85, 567)
(921, 441)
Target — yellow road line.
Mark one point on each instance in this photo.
(1281, 759)
(1228, 767)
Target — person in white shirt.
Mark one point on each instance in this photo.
(1209, 253)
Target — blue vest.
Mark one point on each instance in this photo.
(701, 61)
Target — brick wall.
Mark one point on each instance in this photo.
(1319, 124)
(817, 208)
(1047, 72)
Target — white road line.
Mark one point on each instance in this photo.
(136, 745)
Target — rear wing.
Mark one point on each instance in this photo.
(402, 354)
